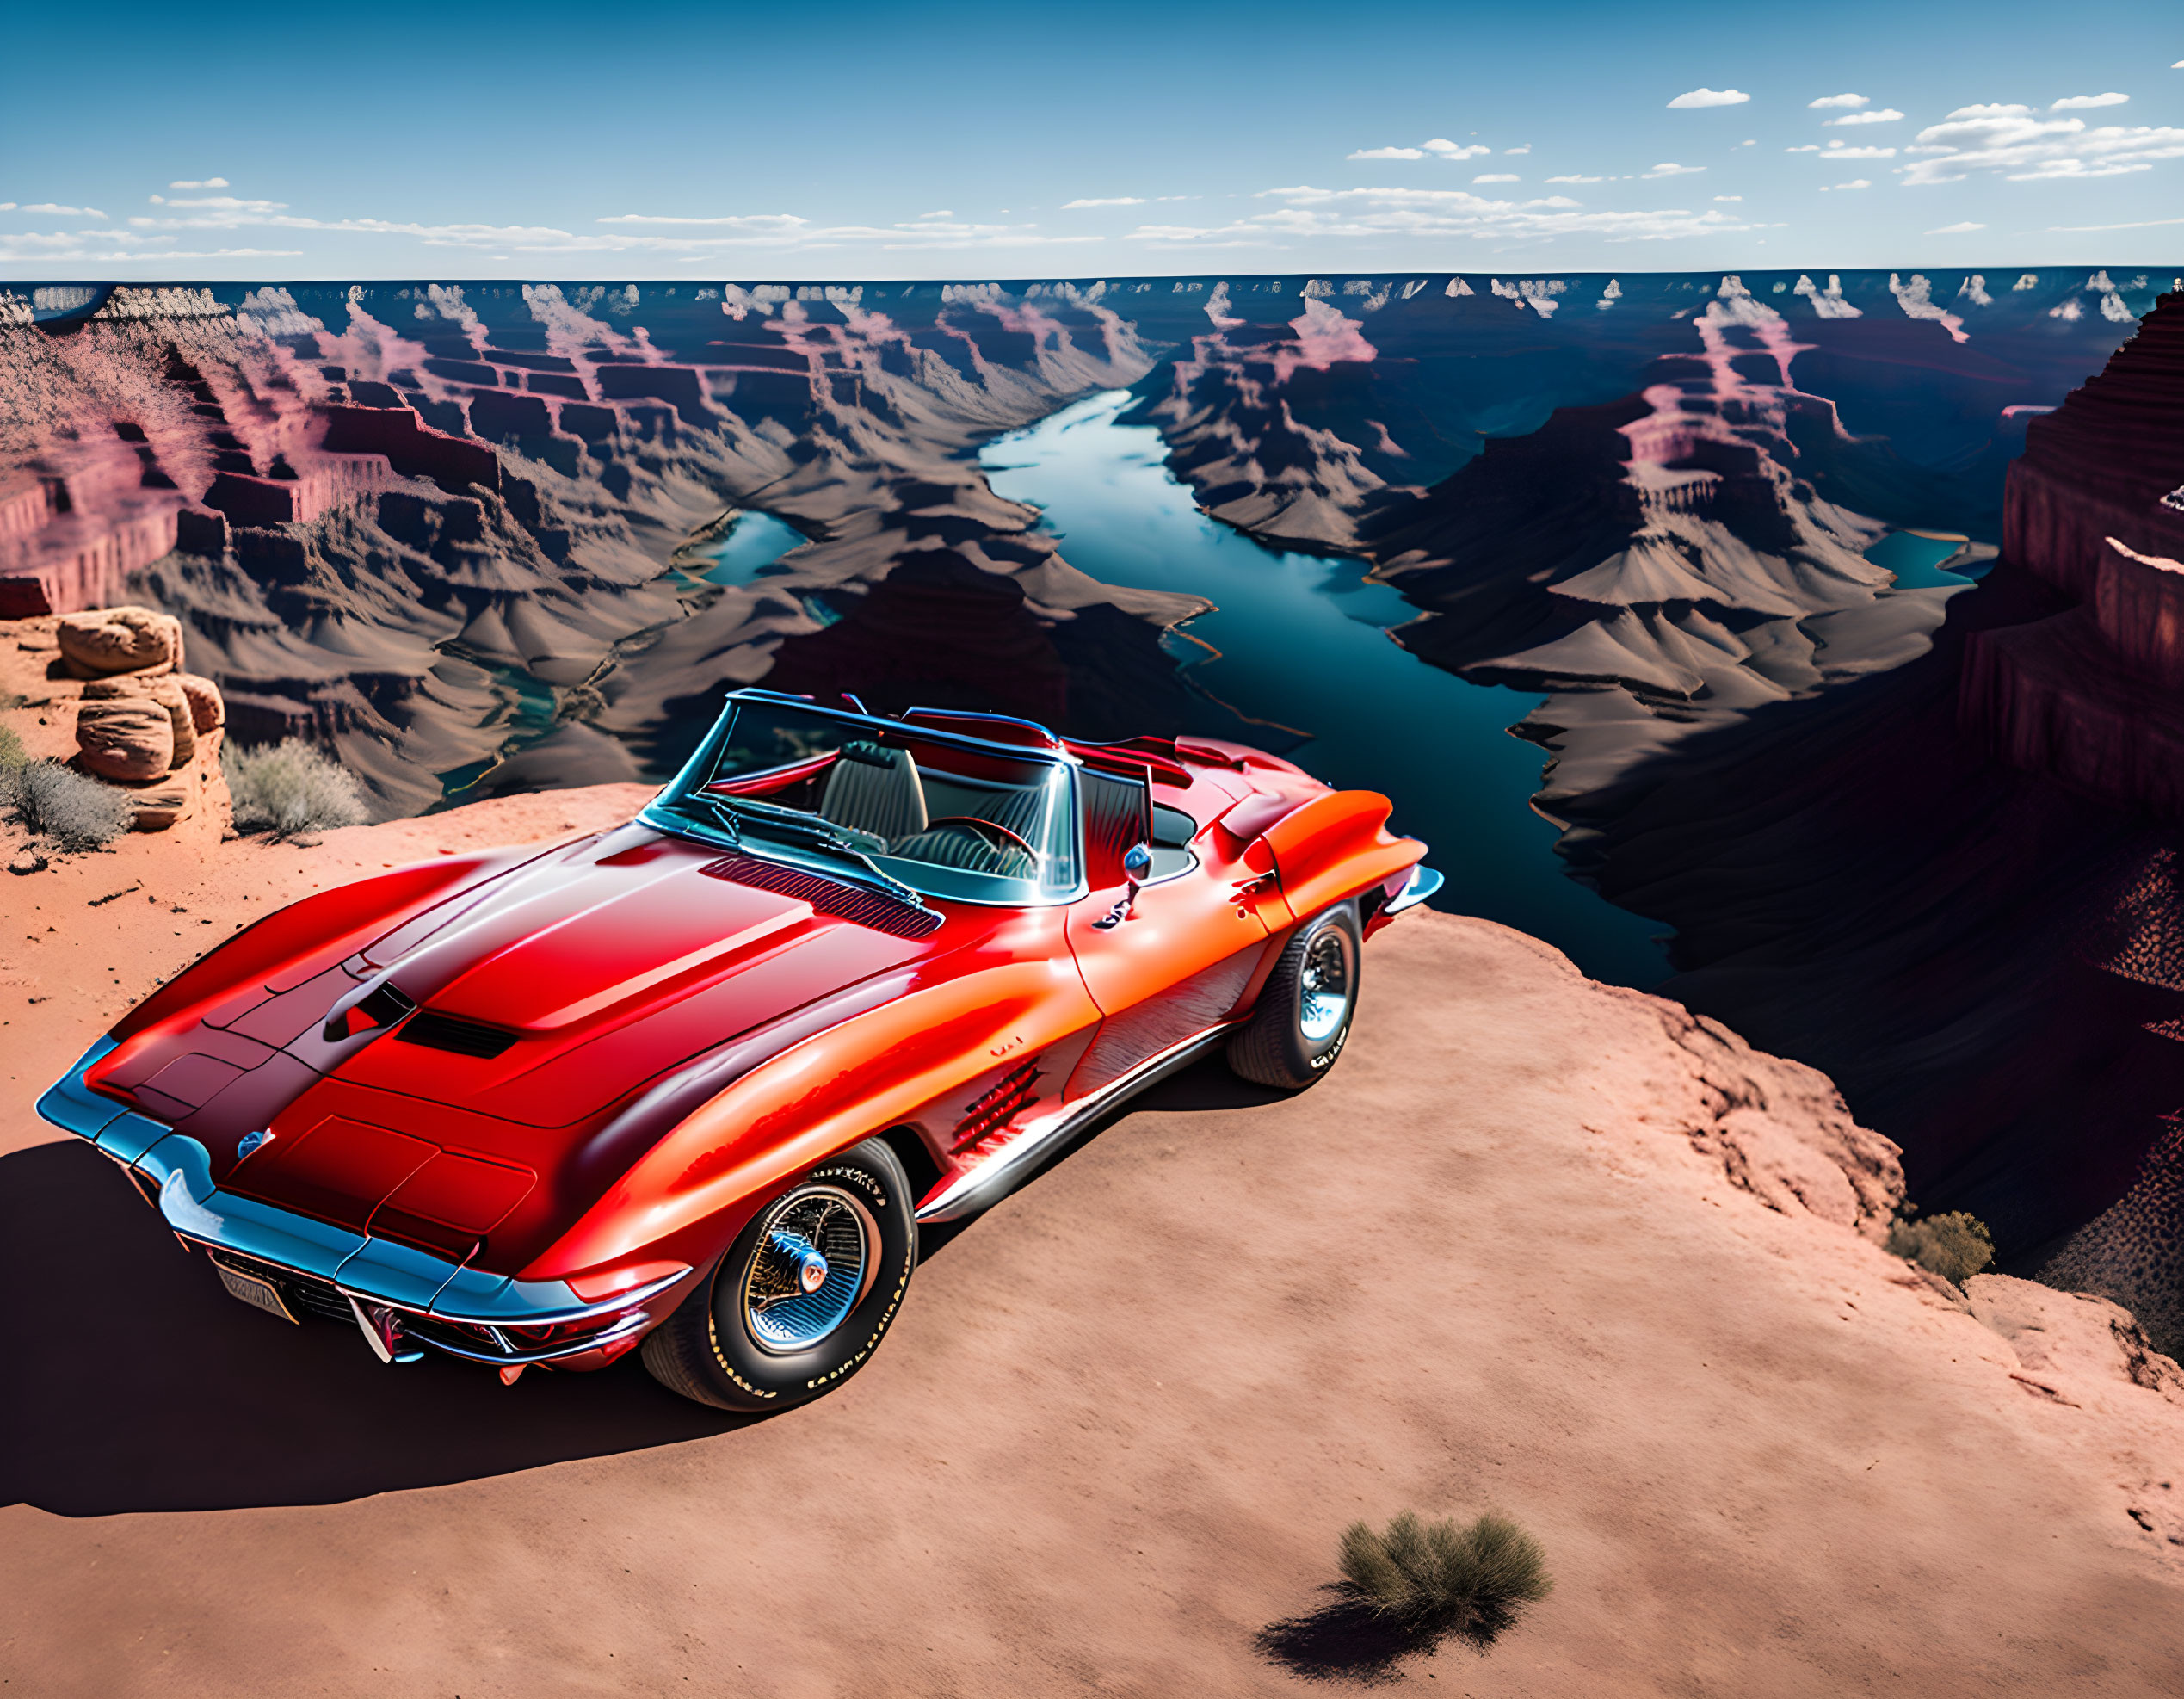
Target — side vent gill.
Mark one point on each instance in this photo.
(446, 1031)
(993, 1112)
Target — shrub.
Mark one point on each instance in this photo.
(290, 787)
(54, 801)
(1956, 1245)
(11, 749)
(1436, 1576)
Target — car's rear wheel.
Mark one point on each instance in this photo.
(1303, 1014)
(805, 1294)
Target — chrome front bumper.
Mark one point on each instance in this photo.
(1422, 883)
(177, 1170)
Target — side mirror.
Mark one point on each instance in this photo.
(1136, 864)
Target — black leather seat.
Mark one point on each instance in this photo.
(874, 790)
(965, 847)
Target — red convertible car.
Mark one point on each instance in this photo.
(691, 1084)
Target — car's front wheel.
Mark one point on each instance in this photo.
(1303, 1017)
(803, 1297)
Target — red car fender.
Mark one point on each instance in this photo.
(1336, 846)
(691, 1193)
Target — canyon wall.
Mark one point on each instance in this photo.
(2095, 696)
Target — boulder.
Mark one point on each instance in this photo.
(167, 690)
(131, 739)
(109, 641)
(208, 713)
(159, 806)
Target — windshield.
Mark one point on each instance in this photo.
(940, 814)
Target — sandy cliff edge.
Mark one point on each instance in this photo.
(1538, 1245)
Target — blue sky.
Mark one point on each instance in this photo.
(953, 140)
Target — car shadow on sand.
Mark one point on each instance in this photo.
(135, 1382)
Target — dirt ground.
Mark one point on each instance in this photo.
(1516, 1252)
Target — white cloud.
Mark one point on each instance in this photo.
(53, 211)
(1886, 115)
(207, 183)
(943, 213)
(1964, 228)
(1710, 97)
(1441, 148)
(1807, 147)
(1384, 212)
(1838, 100)
(1856, 182)
(1669, 168)
(1838, 151)
(1386, 153)
(1575, 179)
(1498, 176)
(1974, 287)
(2087, 102)
(219, 203)
(784, 222)
(1527, 148)
(121, 247)
(2082, 229)
(1729, 197)
(1106, 201)
(2013, 141)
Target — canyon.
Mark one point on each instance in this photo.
(1717, 538)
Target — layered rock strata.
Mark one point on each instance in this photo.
(2095, 696)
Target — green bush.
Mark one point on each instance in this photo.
(52, 800)
(290, 787)
(11, 749)
(1436, 1576)
(1956, 1245)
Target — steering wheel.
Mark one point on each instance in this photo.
(978, 823)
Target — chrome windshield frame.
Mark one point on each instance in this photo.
(848, 863)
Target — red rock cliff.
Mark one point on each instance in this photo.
(2095, 696)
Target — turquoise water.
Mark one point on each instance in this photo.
(1303, 643)
(1917, 561)
(754, 542)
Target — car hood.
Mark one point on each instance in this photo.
(598, 975)
(546, 999)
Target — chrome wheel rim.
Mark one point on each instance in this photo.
(816, 1250)
(1323, 990)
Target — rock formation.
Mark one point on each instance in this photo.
(108, 679)
(2095, 696)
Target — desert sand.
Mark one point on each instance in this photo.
(1537, 1245)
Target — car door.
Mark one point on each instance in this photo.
(1174, 961)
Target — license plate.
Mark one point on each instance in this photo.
(259, 1294)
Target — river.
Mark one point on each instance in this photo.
(1302, 641)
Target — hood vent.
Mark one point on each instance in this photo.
(446, 1031)
(860, 907)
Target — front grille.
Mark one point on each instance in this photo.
(447, 1032)
(306, 1295)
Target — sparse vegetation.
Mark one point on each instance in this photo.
(1956, 1245)
(1436, 1578)
(51, 800)
(290, 787)
(11, 751)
